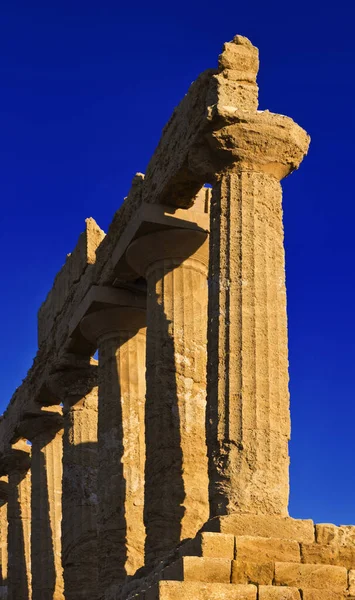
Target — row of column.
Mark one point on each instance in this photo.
(137, 476)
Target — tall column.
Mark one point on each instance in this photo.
(4, 493)
(248, 399)
(119, 334)
(76, 387)
(45, 430)
(174, 263)
(16, 464)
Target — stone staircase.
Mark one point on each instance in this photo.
(223, 566)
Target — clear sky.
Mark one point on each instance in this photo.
(85, 89)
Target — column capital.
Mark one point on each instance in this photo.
(72, 384)
(46, 421)
(177, 244)
(247, 141)
(128, 314)
(16, 459)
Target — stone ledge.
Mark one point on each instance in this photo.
(320, 577)
(259, 549)
(311, 594)
(174, 590)
(271, 592)
(252, 572)
(192, 568)
(265, 526)
(210, 545)
(328, 554)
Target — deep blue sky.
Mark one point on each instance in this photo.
(86, 88)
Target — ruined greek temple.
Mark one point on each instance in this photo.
(160, 470)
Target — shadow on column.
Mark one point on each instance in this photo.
(112, 525)
(164, 487)
(79, 516)
(17, 569)
(42, 546)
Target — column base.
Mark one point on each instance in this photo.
(259, 558)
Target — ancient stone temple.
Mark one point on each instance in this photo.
(160, 470)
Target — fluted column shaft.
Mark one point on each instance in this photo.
(120, 336)
(248, 398)
(176, 499)
(80, 503)
(46, 467)
(19, 527)
(75, 386)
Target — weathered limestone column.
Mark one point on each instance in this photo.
(45, 431)
(248, 399)
(4, 493)
(120, 337)
(76, 388)
(174, 263)
(16, 464)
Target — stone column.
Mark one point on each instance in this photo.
(248, 399)
(119, 334)
(45, 430)
(76, 388)
(174, 263)
(16, 464)
(4, 493)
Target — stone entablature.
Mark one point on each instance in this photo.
(160, 470)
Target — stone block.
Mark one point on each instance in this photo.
(326, 533)
(266, 526)
(309, 594)
(346, 557)
(252, 572)
(175, 590)
(263, 550)
(323, 554)
(272, 592)
(193, 568)
(346, 535)
(328, 554)
(210, 545)
(322, 577)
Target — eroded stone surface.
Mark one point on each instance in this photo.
(215, 135)
(321, 577)
(174, 590)
(176, 501)
(268, 592)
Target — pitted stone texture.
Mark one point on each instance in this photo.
(265, 526)
(192, 568)
(269, 592)
(176, 500)
(331, 554)
(327, 533)
(252, 572)
(174, 590)
(263, 550)
(322, 577)
(210, 545)
(352, 582)
(309, 594)
(248, 398)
